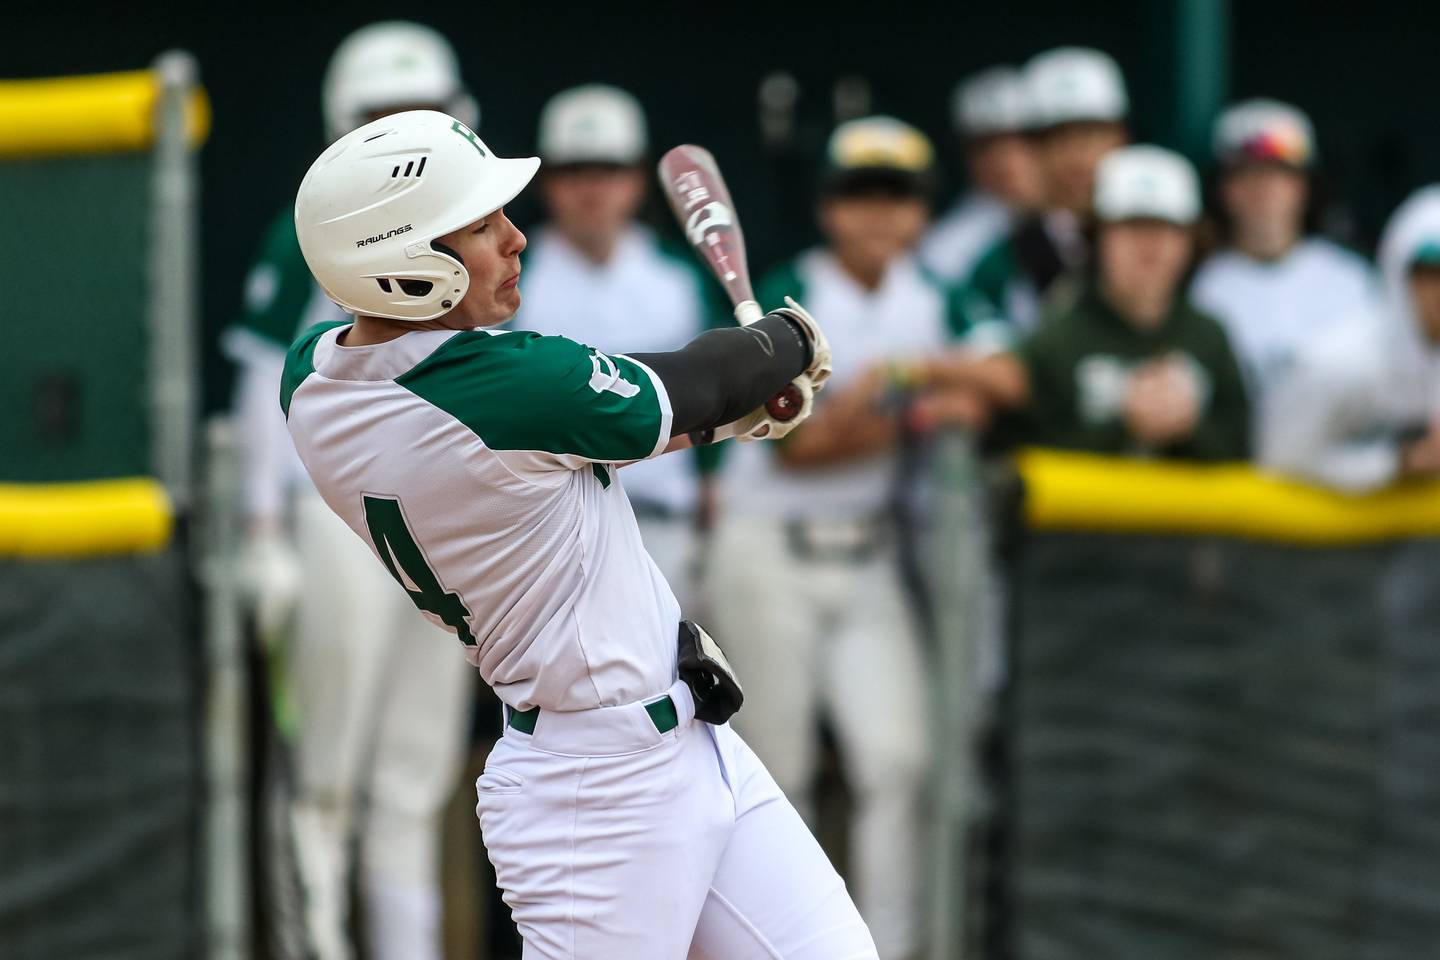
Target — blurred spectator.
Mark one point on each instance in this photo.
(382, 700)
(1278, 292)
(1369, 388)
(593, 274)
(992, 116)
(805, 572)
(1078, 107)
(1122, 363)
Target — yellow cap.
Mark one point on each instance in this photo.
(880, 143)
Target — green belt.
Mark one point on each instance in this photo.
(662, 713)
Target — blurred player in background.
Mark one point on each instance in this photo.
(1078, 107)
(992, 117)
(805, 574)
(1277, 290)
(593, 274)
(1121, 363)
(1370, 384)
(381, 702)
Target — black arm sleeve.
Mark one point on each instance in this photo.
(723, 374)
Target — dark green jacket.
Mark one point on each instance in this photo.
(1079, 360)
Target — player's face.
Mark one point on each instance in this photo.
(871, 230)
(1425, 294)
(1069, 155)
(1265, 199)
(1143, 259)
(490, 249)
(592, 203)
(1006, 166)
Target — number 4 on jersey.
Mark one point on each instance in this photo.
(396, 545)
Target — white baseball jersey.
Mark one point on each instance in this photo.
(282, 300)
(1270, 310)
(957, 241)
(908, 315)
(479, 467)
(1279, 317)
(642, 299)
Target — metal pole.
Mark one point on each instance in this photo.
(227, 733)
(956, 558)
(1200, 39)
(172, 273)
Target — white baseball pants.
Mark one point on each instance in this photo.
(614, 841)
(383, 702)
(837, 636)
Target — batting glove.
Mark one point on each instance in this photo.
(819, 370)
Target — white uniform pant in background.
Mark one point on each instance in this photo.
(614, 841)
(834, 635)
(382, 702)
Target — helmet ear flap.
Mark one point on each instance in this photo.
(439, 247)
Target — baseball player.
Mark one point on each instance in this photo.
(806, 534)
(1078, 107)
(1370, 383)
(381, 708)
(1122, 363)
(991, 114)
(1275, 289)
(593, 274)
(622, 815)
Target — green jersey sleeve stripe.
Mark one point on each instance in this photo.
(524, 391)
(667, 413)
(300, 361)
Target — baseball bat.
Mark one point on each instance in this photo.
(695, 189)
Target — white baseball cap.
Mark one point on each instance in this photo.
(1264, 131)
(595, 123)
(1075, 84)
(390, 65)
(372, 205)
(990, 102)
(1146, 183)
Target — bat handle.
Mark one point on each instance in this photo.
(747, 312)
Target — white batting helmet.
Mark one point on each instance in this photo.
(371, 206)
(389, 65)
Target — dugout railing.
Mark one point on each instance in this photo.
(101, 657)
(1219, 729)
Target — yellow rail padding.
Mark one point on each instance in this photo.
(1082, 492)
(131, 515)
(104, 113)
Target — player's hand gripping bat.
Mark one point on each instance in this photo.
(697, 194)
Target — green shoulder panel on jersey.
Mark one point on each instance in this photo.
(993, 272)
(300, 361)
(955, 297)
(784, 281)
(524, 391)
(278, 287)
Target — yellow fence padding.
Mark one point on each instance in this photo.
(83, 519)
(1081, 492)
(103, 113)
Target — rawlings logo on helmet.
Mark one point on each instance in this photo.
(386, 235)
